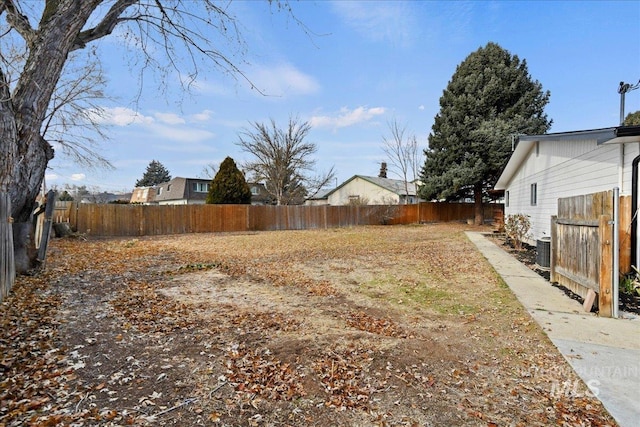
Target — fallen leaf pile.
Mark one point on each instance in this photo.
(259, 373)
(259, 321)
(342, 376)
(385, 326)
(364, 322)
(141, 305)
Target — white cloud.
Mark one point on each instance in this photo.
(78, 177)
(170, 118)
(346, 117)
(283, 79)
(380, 21)
(182, 133)
(119, 116)
(421, 108)
(279, 80)
(169, 126)
(51, 177)
(202, 116)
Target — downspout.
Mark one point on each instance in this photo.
(635, 251)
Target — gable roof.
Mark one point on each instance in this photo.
(525, 143)
(393, 185)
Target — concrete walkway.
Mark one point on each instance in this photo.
(604, 352)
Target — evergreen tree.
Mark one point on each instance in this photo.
(632, 119)
(229, 186)
(65, 197)
(489, 98)
(155, 174)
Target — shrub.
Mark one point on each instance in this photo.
(229, 185)
(630, 283)
(517, 228)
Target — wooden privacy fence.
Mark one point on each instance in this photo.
(61, 211)
(581, 244)
(150, 220)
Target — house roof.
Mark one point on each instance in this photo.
(394, 185)
(321, 195)
(525, 143)
(178, 189)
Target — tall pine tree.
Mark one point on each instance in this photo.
(490, 97)
(155, 174)
(229, 186)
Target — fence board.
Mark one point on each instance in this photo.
(605, 294)
(7, 264)
(625, 234)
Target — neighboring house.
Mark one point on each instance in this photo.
(105, 197)
(319, 199)
(183, 191)
(259, 195)
(544, 168)
(143, 195)
(372, 190)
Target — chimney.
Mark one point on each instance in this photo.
(383, 170)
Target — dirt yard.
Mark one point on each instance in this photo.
(372, 326)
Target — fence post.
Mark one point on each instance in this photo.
(554, 248)
(7, 263)
(606, 260)
(46, 228)
(616, 249)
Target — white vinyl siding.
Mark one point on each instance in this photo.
(564, 169)
(631, 151)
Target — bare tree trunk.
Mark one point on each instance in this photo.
(478, 205)
(22, 115)
(406, 190)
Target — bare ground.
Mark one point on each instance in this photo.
(368, 326)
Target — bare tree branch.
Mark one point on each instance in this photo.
(402, 152)
(282, 160)
(19, 21)
(106, 25)
(74, 119)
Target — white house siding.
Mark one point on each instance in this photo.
(182, 202)
(316, 202)
(564, 169)
(365, 190)
(631, 151)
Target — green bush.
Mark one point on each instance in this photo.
(229, 185)
(630, 283)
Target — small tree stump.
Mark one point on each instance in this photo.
(62, 229)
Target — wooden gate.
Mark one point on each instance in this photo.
(582, 246)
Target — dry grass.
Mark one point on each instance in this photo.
(402, 325)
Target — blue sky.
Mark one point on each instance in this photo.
(360, 65)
